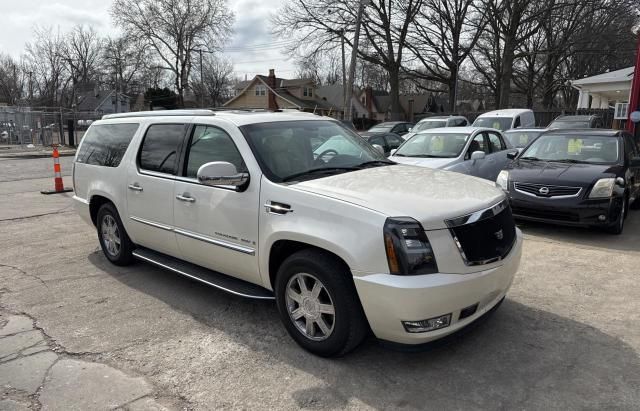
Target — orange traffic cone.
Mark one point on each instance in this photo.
(58, 185)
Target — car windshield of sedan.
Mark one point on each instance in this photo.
(427, 124)
(307, 149)
(520, 139)
(499, 123)
(380, 129)
(570, 124)
(573, 149)
(433, 145)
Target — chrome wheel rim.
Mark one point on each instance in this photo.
(310, 307)
(110, 235)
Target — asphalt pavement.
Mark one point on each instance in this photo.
(79, 333)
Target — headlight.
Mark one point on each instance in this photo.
(408, 249)
(603, 188)
(503, 180)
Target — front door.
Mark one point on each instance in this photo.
(150, 185)
(217, 227)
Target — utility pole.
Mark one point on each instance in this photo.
(201, 81)
(30, 87)
(344, 77)
(354, 54)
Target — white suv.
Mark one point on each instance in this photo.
(295, 207)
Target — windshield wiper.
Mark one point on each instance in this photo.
(531, 158)
(321, 170)
(571, 160)
(374, 163)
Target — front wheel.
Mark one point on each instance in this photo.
(115, 242)
(318, 303)
(618, 226)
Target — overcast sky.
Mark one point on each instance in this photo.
(247, 48)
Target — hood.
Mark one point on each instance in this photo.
(547, 172)
(424, 162)
(427, 195)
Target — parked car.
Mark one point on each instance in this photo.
(480, 152)
(506, 119)
(344, 240)
(387, 141)
(398, 127)
(437, 122)
(575, 177)
(522, 137)
(577, 122)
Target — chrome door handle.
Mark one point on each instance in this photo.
(186, 199)
(135, 187)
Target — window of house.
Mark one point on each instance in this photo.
(261, 90)
(307, 92)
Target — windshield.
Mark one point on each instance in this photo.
(426, 125)
(570, 124)
(433, 145)
(297, 150)
(499, 123)
(520, 139)
(574, 149)
(380, 129)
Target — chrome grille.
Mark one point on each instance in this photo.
(548, 191)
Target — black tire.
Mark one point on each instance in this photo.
(636, 204)
(123, 254)
(349, 323)
(617, 227)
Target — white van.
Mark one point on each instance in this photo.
(506, 119)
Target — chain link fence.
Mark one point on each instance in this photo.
(43, 127)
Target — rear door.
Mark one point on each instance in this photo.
(150, 186)
(217, 227)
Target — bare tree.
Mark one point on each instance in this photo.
(175, 29)
(216, 85)
(12, 80)
(443, 36)
(125, 59)
(45, 62)
(316, 25)
(81, 52)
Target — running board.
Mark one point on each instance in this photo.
(220, 281)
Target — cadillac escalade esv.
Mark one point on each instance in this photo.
(297, 208)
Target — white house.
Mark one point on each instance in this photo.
(605, 90)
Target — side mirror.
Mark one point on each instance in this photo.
(620, 182)
(393, 151)
(478, 155)
(221, 173)
(379, 148)
(511, 155)
(635, 162)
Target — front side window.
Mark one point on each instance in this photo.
(159, 151)
(433, 145)
(574, 148)
(477, 144)
(495, 143)
(290, 150)
(209, 144)
(105, 144)
(499, 123)
(393, 141)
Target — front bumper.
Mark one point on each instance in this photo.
(570, 211)
(388, 299)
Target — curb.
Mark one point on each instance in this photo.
(27, 156)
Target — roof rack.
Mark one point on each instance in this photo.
(160, 113)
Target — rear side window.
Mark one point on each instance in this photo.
(159, 151)
(105, 144)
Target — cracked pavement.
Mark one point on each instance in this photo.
(79, 333)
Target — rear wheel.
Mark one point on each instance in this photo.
(318, 303)
(115, 242)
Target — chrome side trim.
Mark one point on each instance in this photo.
(175, 270)
(214, 241)
(478, 215)
(151, 223)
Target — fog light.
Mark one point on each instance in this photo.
(431, 324)
(602, 217)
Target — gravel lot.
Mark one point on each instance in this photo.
(566, 337)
